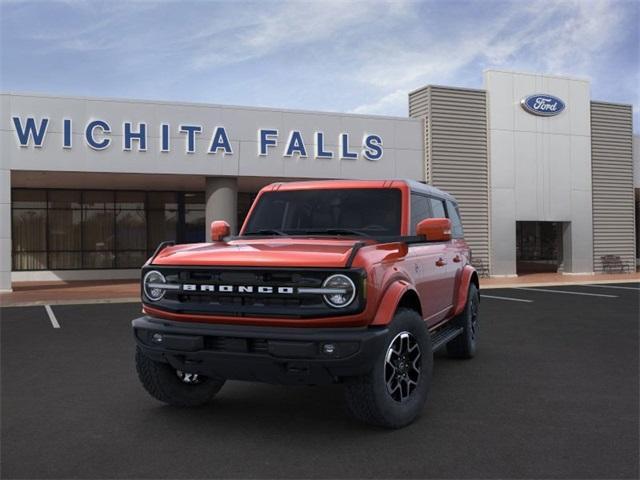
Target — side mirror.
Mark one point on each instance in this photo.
(219, 230)
(435, 229)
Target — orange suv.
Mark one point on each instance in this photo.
(352, 282)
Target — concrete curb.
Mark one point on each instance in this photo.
(556, 284)
(40, 303)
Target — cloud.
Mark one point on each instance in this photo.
(288, 25)
(551, 37)
(344, 55)
(394, 103)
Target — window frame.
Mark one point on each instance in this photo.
(250, 229)
(412, 227)
(454, 234)
(445, 203)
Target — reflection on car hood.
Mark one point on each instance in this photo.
(263, 252)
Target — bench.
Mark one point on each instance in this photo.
(614, 264)
(480, 267)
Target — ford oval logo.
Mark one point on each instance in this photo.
(542, 104)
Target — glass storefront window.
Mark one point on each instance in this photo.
(162, 226)
(131, 259)
(193, 226)
(65, 199)
(65, 260)
(65, 230)
(194, 217)
(30, 229)
(89, 229)
(29, 260)
(131, 230)
(98, 259)
(29, 237)
(98, 199)
(29, 198)
(162, 201)
(130, 200)
(194, 200)
(98, 230)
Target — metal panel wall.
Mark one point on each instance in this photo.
(419, 107)
(456, 154)
(612, 179)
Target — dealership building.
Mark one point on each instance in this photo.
(544, 175)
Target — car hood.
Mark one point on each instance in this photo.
(270, 252)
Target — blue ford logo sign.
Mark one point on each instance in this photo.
(542, 104)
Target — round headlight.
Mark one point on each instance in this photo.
(343, 291)
(151, 285)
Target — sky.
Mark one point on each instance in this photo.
(342, 55)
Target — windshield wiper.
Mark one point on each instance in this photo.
(337, 231)
(266, 231)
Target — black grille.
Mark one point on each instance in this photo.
(295, 305)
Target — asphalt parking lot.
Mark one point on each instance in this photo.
(553, 393)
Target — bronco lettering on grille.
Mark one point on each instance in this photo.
(192, 287)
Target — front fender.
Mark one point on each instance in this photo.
(389, 302)
(468, 275)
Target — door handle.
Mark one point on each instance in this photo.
(440, 262)
(457, 259)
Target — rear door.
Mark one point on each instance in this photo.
(459, 249)
(447, 261)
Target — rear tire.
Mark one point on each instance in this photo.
(465, 345)
(394, 392)
(179, 389)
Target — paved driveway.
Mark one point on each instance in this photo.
(553, 392)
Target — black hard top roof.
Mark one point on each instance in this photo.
(420, 187)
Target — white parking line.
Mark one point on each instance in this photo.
(52, 317)
(610, 286)
(506, 298)
(568, 292)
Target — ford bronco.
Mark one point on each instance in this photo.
(352, 282)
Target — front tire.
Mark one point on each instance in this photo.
(394, 392)
(465, 345)
(173, 387)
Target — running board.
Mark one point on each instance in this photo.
(443, 335)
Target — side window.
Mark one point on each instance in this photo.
(437, 208)
(456, 223)
(419, 210)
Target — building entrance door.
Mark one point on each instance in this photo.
(538, 247)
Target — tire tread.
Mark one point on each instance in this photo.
(362, 400)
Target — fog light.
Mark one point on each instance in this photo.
(329, 348)
(157, 338)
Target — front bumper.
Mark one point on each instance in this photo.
(281, 355)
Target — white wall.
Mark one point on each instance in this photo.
(540, 166)
(402, 138)
(402, 142)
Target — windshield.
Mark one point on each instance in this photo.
(358, 211)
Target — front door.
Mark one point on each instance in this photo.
(428, 264)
